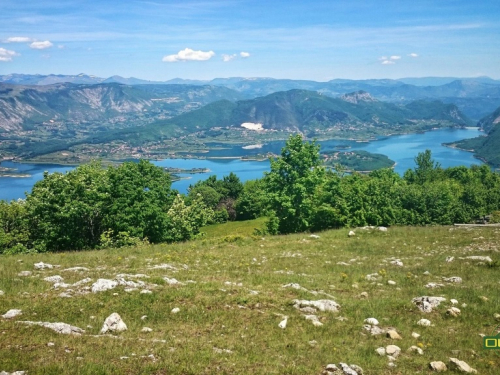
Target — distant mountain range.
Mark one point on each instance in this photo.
(475, 97)
(82, 78)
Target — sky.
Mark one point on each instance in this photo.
(296, 39)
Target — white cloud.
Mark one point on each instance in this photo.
(61, 46)
(244, 54)
(7, 55)
(18, 39)
(389, 60)
(41, 45)
(413, 55)
(189, 55)
(227, 58)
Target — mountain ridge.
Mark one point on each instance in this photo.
(476, 97)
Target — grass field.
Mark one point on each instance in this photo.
(232, 299)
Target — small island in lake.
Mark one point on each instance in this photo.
(11, 172)
(360, 161)
(189, 171)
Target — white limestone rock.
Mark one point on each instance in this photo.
(54, 279)
(453, 301)
(351, 233)
(393, 350)
(314, 319)
(479, 258)
(114, 323)
(146, 330)
(461, 366)
(393, 334)
(24, 273)
(424, 323)
(415, 335)
(397, 262)
(172, 281)
(42, 266)
(391, 282)
(321, 305)
(102, 285)
(453, 311)
(349, 370)
(438, 366)
(453, 279)
(372, 321)
(76, 269)
(331, 368)
(283, 323)
(374, 330)
(382, 229)
(380, 351)
(175, 310)
(427, 304)
(12, 314)
(373, 277)
(62, 328)
(1, 293)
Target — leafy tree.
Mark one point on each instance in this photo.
(14, 228)
(251, 203)
(426, 169)
(209, 195)
(66, 211)
(232, 185)
(138, 196)
(219, 194)
(186, 221)
(292, 183)
(72, 211)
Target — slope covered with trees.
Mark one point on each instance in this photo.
(486, 148)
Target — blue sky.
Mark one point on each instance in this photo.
(296, 39)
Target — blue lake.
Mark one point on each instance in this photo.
(401, 149)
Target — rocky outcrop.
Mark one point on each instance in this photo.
(62, 328)
(113, 323)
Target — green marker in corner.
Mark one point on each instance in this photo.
(492, 342)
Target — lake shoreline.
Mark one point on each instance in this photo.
(250, 164)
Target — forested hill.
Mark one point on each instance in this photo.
(485, 147)
(312, 113)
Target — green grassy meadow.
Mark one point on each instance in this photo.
(232, 300)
